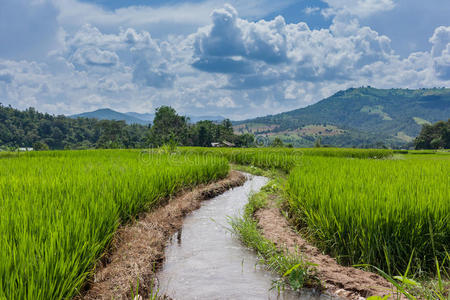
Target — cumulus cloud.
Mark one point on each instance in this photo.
(265, 52)
(95, 57)
(236, 67)
(89, 47)
(232, 40)
(440, 40)
(223, 102)
(441, 52)
(442, 64)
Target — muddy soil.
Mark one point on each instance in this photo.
(342, 281)
(138, 249)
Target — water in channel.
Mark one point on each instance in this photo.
(205, 261)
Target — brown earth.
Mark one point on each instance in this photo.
(138, 249)
(341, 281)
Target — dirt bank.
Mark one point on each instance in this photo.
(345, 282)
(138, 249)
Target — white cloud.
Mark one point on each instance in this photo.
(441, 52)
(360, 8)
(311, 10)
(223, 102)
(95, 57)
(179, 18)
(232, 66)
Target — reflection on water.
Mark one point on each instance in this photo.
(207, 262)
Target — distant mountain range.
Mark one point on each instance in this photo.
(357, 117)
(134, 117)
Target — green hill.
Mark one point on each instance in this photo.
(136, 118)
(360, 117)
(109, 114)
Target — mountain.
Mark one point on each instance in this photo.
(195, 119)
(136, 118)
(109, 114)
(361, 117)
(145, 117)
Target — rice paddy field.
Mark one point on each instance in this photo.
(365, 206)
(59, 209)
(378, 212)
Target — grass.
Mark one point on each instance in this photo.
(293, 270)
(60, 209)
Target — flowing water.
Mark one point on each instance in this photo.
(205, 261)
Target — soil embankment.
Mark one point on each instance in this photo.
(345, 282)
(138, 249)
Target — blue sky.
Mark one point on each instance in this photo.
(239, 59)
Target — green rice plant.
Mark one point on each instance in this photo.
(283, 159)
(377, 212)
(60, 209)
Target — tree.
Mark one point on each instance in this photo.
(112, 134)
(245, 140)
(40, 146)
(168, 125)
(434, 136)
(317, 143)
(277, 142)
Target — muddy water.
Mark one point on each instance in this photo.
(204, 261)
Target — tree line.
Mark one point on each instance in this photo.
(42, 131)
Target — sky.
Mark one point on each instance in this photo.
(239, 59)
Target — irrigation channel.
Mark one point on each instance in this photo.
(205, 261)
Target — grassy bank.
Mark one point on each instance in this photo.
(292, 269)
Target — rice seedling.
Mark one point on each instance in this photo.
(283, 158)
(378, 212)
(60, 209)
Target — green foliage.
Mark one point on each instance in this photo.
(375, 211)
(294, 270)
(40, 146)
(25, 128)
(60, 209)
(436, 136)
(203, 133)
(277, 143)
(167, 126)
(317, 143)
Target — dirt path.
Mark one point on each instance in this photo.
(345, 282)
(138, 250)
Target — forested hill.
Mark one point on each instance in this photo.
(30, 128)
(357, 116)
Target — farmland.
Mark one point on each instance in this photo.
(375, 212)
(60, 209)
